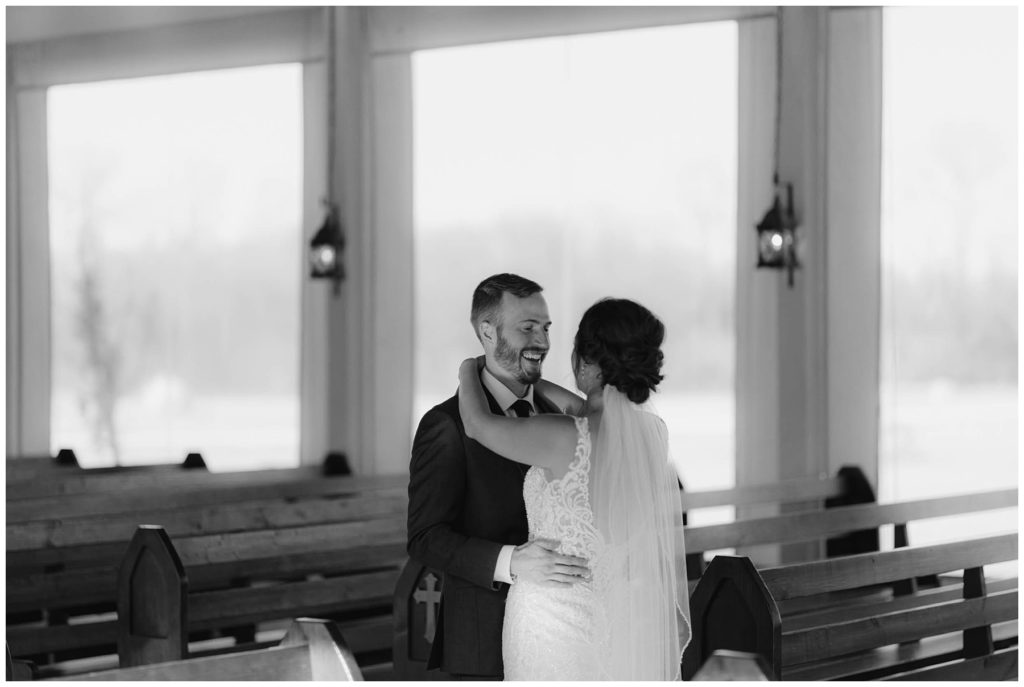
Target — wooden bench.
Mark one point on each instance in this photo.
(26, 468)
(838, 521)
(968, 629)
(70, 543)
(414, 600)
(418, 591)
(26, 477)
(216, 488)
(238, 580)
(848, 487)
(67, 482)
(312, 649)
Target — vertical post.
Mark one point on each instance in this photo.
(802, 329)
(900, 540)
(977, 640)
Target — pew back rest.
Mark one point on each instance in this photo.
(808, 526)
(91, 541)
(805, 489)
(312, 649)
(219, 488)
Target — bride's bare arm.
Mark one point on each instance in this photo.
(547, 441)
(567, 401)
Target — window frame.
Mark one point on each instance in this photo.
(265, 38)
(394, 33)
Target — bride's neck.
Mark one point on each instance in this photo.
(594, 402)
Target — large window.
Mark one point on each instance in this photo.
(597, 165)
(176, 258)
(949, 259)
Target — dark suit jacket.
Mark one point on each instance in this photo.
(465, 503)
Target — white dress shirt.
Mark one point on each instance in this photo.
(505, 398)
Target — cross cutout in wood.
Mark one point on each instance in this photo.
(430, 595)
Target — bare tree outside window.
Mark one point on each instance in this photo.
(177, 256)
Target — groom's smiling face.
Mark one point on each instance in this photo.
(521, 337)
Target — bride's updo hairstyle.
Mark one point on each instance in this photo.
(623, 339)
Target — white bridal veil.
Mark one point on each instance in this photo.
(636, 505)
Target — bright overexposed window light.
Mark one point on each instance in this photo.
(176, 260)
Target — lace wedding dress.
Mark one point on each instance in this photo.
(550, 633)
(618, 507)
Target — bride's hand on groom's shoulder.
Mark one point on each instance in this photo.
(470, 365)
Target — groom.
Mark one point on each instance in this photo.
(466, 511)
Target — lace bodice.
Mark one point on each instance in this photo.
(560, 508)
(565, 632)
(549, 630)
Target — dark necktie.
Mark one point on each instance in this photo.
(521, 408)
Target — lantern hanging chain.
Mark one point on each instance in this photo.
(778, 96)
(331, 106)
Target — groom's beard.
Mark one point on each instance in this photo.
(511, 360)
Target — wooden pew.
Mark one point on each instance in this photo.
(26, 468)
(340, 569)
(848, 487)
(735, 606)
(412, 596)
(27, 475)
(65, 544)
(822, 525)
(215, 488)
(312, 649)
(143, 477)
(416, 594)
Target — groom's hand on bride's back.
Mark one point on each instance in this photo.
(539, 561)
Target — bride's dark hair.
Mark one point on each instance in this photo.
(623, 339)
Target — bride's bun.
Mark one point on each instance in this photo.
(623, 339)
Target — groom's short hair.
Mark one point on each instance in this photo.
(487, 295)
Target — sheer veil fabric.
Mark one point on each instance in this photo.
(642, 618)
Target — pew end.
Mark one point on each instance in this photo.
(856, 490)
(152, 600)
(725, 665)
(416, 601)
(731, 587)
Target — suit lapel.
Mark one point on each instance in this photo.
(493, 404)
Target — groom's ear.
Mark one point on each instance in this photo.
(488, 333)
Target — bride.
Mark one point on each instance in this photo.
(601, 485)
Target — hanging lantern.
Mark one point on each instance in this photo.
(776, 236)
(325, 249)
